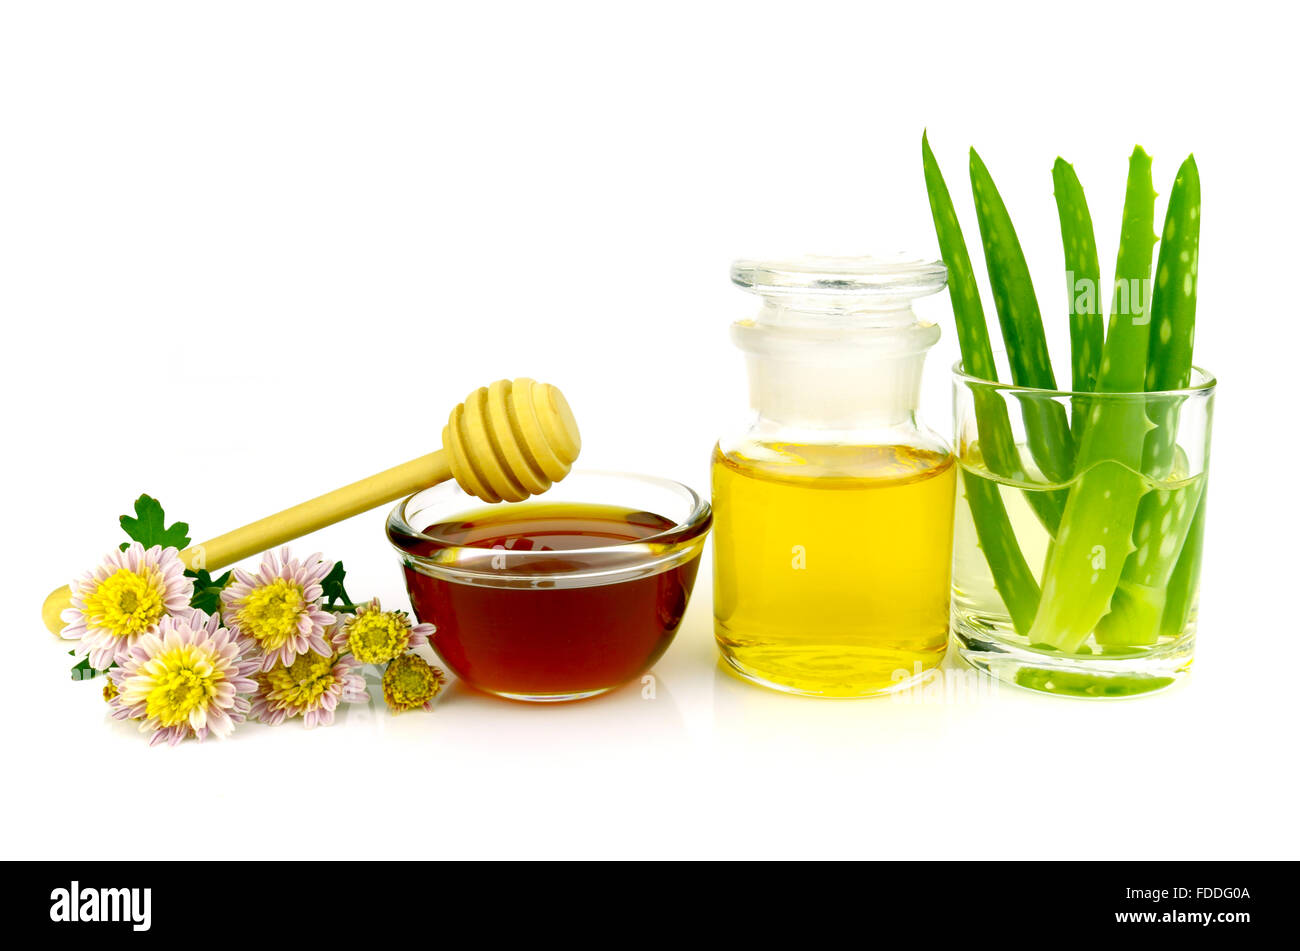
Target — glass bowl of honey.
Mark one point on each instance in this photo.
(560, 597)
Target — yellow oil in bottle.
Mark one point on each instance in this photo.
(832, 564)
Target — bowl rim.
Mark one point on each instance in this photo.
(680, 533)
(1208, 384)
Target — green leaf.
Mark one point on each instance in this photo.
(207, 590)
(149, 526)
(336, 596)
(1095, 539)
(1181, 591)
(972, 329)
(996, 442)
(1083, 282)
(1139, 602)
(1013, 290)
(83, 671)
(1173, 300)
(1012, 577)
(1047, 428)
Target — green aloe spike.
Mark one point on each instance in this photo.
(1046, 426)
(1173, 301)
(1181, 592)
(1095, 536)
(1012, 577)
(972, 329)
(1164, 520)
(1164, 516)
(996, 441)
(1083, 283)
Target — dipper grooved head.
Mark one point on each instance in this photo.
(511, 440)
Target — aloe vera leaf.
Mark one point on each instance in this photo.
(1088, 684)
(1083, 280)
(1046, 427)
(1180, 592)
(972, 329)
(1138, 605)
(1095, 537)
(1164, 517)
(1173, 300)
(1012, 578)
(996, 441)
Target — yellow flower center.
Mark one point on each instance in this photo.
(410, 681)
(304, 681)
(270, 613)
(376, 638)
(175, 683)
(126, 603)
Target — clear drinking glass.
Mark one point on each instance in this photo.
(1081, 582)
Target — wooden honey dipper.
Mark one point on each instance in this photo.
(506, 442)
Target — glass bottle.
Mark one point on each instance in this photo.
(834, 508)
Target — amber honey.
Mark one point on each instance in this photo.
(547, 600)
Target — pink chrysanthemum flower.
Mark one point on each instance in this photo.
(123, 599)
(190, 677)
(376, 636)
(279, 607)
(411, 682)
(311, 687)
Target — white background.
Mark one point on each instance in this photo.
(253, 251)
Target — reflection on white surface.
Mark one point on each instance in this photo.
(711, 766)
(745, 714)
(643, 713)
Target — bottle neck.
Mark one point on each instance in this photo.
(857, 374)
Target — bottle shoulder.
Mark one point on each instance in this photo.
(766, 438)
(891, 460)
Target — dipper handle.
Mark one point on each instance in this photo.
(506, 442)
